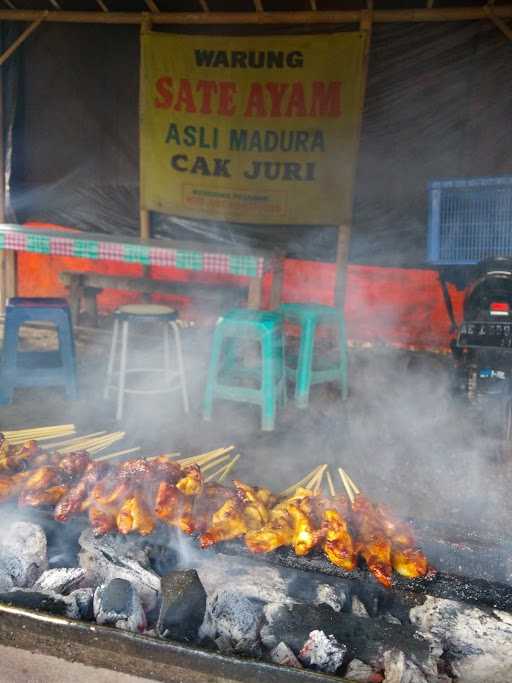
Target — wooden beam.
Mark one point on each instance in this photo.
(152, 6)
(145, 216)
(21, 38)
(380, 16)
(498, 22)
(345, 228)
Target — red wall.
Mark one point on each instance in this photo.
(397, 306)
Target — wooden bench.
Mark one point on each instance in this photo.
(84, 287)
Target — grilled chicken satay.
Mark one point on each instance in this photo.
(252, 500)
(174, 508)
(372, 542)
(38, 483)
(406, 558)
(104, 502)
(338, 544)
(71, 503)
(13, 458)
(11, 484)
(281, 529)
(228, 522)
(135, 515)
(212, 497)
(46, 497)
(191, 481)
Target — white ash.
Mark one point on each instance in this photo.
(23, 554)
(323, 652)
(477, 642)
(391, 619)
(358, 609)
(118, 604)
(284, 656)
(62, 580)
(234, 617)
(111, 557)
(399, 669)
(252, 580)
(358, 671)
(224, 645)
(328, 595)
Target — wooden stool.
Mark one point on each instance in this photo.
(146, 314)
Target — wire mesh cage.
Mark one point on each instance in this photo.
(469, 220)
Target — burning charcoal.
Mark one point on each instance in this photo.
(113, 557)
(183, 606)
(52, 603)
(399, 669)
(335, 592)
(83, 598)
(116, 603)
(255, 581)
(323, 652)
(235, 617)
(358, 609)
(477, 642)
(359, 672)
(163, 559)
(61, 580)
(282, 655)
(368, 638)
(327, 595)
(23, 553)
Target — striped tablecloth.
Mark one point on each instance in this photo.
(148, 253)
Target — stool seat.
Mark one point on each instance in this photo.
(37, 302)
(147, 312)
(226, 376)
(166, 318)
(37, 368)
(309, 316)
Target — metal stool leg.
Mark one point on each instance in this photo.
(122, 370)
(167, 355)
(111, 358)
(181, 366)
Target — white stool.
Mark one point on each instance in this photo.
(173, 381)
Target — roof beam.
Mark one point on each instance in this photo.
(498, 22)
(22, 38)
(380, 16)
(152, 6)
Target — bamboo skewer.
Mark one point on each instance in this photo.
(76, 439)
(15, 433)
(222, 470)
(95, 444)
(302, 482)
(117, 454)
(313, 484)
(346, 485)
(228, 468)
(205, 457)
(214, 463)
(351, 483)
(330, 484)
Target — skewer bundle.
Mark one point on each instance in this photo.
(18, 436)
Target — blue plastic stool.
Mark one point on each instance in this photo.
(309, 317)
(37, 368)
(224, 374)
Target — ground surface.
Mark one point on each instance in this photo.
(401, 434)
(21, 666)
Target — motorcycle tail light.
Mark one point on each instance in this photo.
(500, 308)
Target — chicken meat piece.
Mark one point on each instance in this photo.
(372, 542)
(71, 503)
(191, 481)
(164, 469)
(399, 532)
(338, 544)
(212, 497)
(227, 523)
(102, 521)
(43, 497)
(74, 464)
(255, 511)
(12, 484)
(174, 508)
(14, 458)
(304, 534)
(42, 478)
(409, 562)
(135, 515)
(277, 533)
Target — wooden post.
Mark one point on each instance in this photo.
(254, 297)
(345, 229)
(277, 280)
(145, 216)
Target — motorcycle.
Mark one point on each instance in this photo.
(483, 348)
